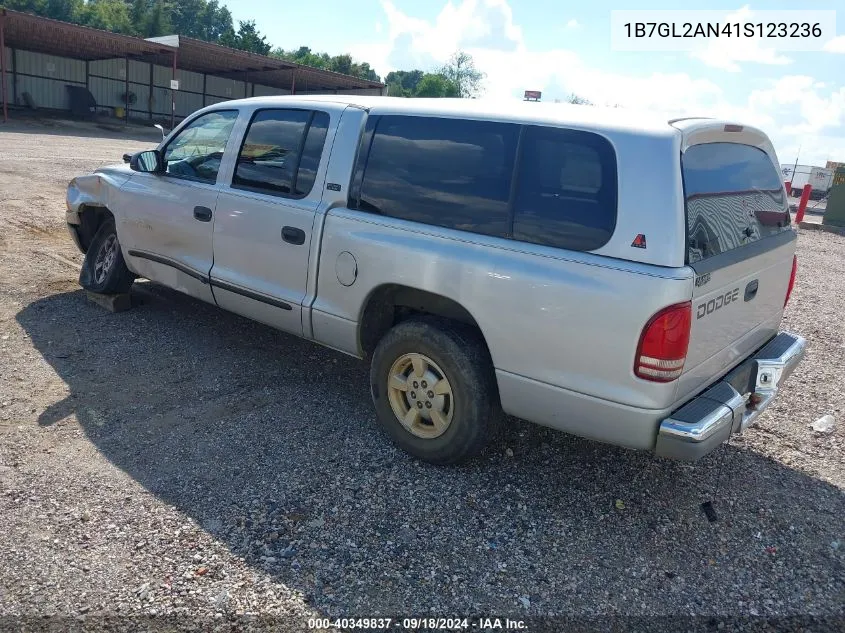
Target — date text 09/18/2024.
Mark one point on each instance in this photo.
(417, 624)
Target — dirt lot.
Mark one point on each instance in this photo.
(179, 460)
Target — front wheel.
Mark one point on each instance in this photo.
(104, 270)
(434, 389)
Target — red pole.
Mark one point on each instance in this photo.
(788, 185)
(3, 66)
(802, 205)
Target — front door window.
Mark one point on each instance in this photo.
(196, 152)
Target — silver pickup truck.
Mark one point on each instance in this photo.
(613, 277)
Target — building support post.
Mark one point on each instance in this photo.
(204, 85)
(173, 94)
(14, 76)
(293, 83)
(126, 89)
(150, 97)
(3, 66)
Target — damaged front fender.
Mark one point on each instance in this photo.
(96, 189)
(89, 199)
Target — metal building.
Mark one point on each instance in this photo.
(158, 78)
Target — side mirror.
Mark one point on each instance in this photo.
(160, 129)
(149, 161)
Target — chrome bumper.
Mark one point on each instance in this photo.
(731, 404)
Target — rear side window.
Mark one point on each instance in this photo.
(566, 196)
(281, 152)
(446, 172)
(734, 196)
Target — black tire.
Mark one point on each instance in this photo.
(462, 357)
(104, 270)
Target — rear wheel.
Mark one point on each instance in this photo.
(104, 270)
(434, 389)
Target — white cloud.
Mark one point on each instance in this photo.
(573, 25)
(836, 45)
(725, 54)
(794, 110)
(727, 58)
(803, 106)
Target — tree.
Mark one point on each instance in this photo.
(247, 38)
(213, 22)
(108, 15)
(403, 83)
(65, 10)
(578, 100)
(339, 63)
(303, 55)
(461, 70)
(158, 21)
(138, 15)
(436, 85)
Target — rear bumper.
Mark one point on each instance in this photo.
(731, 404)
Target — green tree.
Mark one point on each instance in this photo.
(303, 55)
(108, 15)
(217, 20)
(66, 10)
(28, 6)
(461, 70)
(339, 63)
(403, 83)
(436, 85)
(342, 64)
(364, 71)
(247, 38)
(158, 21)
(138, 15)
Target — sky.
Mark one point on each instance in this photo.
(797, 98)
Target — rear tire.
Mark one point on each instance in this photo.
(434, 389)
(104, 270)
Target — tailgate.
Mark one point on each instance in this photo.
(741, 247)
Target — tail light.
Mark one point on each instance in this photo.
(662, 350)
(791, 279)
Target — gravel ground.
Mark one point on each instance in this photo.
(178, 460)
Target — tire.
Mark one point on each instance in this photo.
(104, 270)
(461, 421)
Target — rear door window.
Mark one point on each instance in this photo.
(734, 197)
(567, 191)
(454, 173)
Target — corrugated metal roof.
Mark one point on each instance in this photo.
(214, 59)
(43, 35)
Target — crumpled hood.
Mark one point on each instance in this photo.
(116, 171)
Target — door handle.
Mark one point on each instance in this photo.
(751, 290)
(203, 214)
(293, 235)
